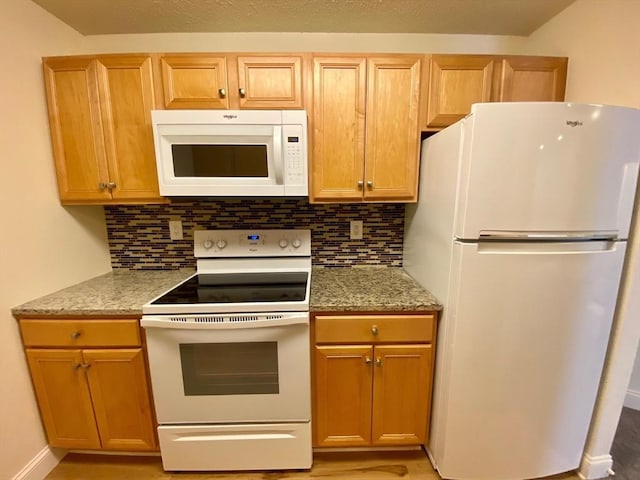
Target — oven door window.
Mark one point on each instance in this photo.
(243, 368)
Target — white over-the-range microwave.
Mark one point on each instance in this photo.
(231, 152)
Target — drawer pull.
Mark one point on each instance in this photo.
(75, 335)
(367, 360)
(378, 362)
(374, 330)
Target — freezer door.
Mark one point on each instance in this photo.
(523, 346)
(548, 167)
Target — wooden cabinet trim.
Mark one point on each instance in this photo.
(345, 421)
(248, 64)
(556, 67)
(80, 333)
(121, 401)
(439, 112)
(338, 128)
(217, 64)
(76, 136)
(401, 393)
(63, 398)
(359, 329)
(392, 129)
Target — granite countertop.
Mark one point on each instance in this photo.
(120, 292)
(123, 292)
(362, 289)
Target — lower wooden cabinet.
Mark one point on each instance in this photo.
(377, 392)
(91, 398)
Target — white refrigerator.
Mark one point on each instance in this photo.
(520, 231)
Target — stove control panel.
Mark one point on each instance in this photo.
(252, 243)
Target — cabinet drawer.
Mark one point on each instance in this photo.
(80, 333)
(374, 328)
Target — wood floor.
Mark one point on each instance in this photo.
(405, 465)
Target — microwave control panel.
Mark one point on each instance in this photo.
(294, 155)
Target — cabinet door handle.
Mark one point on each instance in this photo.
(374, 330)
(360, 184)
(75, 335)
(76, 366)
(85, 365)
(367, 360)
(369, 184)
(242, 92)
(102, 186)
(378, 362)
(111, 185)
(222, 92)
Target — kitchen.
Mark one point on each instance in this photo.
(71, 244)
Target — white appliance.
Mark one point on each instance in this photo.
(231, 152)
(520, 231)
(229, 354)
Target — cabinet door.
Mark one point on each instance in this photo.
(270, 82)
(338, 128)
(63, 397)
(526, 79)
(194, 81)
(126, 99)
(121, 399)
(401, 394)
(457, 81)
(392, 130)
(343, 380)
(76, 128)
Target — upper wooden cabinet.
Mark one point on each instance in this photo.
(99, 114)
(194, 81)
(525, 79)
(365, 128)
(232, 81)
(458, 81)
(455, 83)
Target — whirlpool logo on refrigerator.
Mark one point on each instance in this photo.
(574, 123)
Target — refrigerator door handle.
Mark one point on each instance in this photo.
(547, 248)
(511, 236)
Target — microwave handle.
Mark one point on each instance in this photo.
(276, 161)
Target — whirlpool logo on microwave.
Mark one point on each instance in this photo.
(574, 123)
(231, 117)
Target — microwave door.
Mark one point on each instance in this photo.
(231, 164)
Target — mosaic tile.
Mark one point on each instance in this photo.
(139, 234)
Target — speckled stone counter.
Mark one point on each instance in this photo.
(121, 292)
(368, 289)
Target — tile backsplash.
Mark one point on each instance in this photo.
(139, 234)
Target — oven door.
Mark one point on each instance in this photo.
(230, 369)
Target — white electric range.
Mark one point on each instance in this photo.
(229, 354)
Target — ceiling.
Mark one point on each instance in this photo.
(490, 17)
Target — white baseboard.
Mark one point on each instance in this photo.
(40, 465)
(632, 399)
(595, 467)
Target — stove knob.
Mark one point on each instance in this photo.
(207, 244)
(283, 243)
(221, 244)
(296, 243)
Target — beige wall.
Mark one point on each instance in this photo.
(601, 39)
(305, 42)
(43, 246)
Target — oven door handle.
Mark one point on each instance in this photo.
(210, 322)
